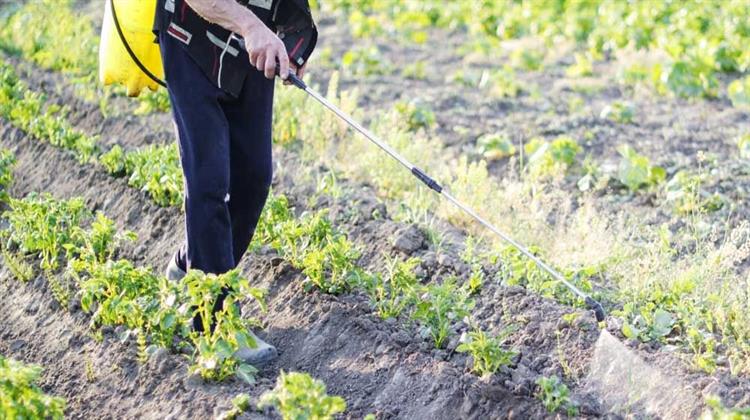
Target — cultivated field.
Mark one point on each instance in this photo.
(612, 138)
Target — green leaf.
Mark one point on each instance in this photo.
(246, 373)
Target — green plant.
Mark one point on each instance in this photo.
(743, 143)
(684, 192)
(620, 112)
(739, 92)
(240, 404)
(45, 226)
(555, 396)
(636, 172)
(21, 398)
(310, 243)
(155, 170)
(646, 322)
(500, 83)
(365, 62)
(299, 396)
(28, 111)
(495, 146)
(417, 114)
(583, 66)
(546, 158)
(439, 307)
(396, 289)
(717, 411)
(521, 270)
(476, 280)
(7, 160)
(487, 352)
(224, 331)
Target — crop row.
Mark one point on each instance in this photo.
(75, 250)
(699, 39)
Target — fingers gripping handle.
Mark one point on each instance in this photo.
(292, 78)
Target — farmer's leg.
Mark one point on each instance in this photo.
(251, 167)
(204, 151)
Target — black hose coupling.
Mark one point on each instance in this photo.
(426, 179)
(596, 307)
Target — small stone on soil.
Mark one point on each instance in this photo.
(408, 240)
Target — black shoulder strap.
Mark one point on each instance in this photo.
(130, 51)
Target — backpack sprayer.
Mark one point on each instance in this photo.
(435, 186)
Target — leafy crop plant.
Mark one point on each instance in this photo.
(299, 396)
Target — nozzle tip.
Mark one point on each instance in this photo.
(596, 307)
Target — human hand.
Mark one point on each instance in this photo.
(266, 50)
(298, 71)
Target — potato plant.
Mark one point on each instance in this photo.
(439, 307)
(555, 396)
(487, 352)
(7, 160)
(298, 396)
(396, 289)
(221, 335)
(21, 398)
(311, 244)
(635, 170)
(155, 170)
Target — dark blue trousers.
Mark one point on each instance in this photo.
(225, 149)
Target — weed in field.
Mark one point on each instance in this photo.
(555, 396)
(527, 59)
(685, 194)
(487, 352)
(439, 307)
(299, 396)
(635, 170)
(17, 265)
(415, 71)
(21, 398)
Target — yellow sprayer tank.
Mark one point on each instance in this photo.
(136, 18)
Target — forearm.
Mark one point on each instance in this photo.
(226, 13)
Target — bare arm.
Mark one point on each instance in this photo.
(263, 46)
